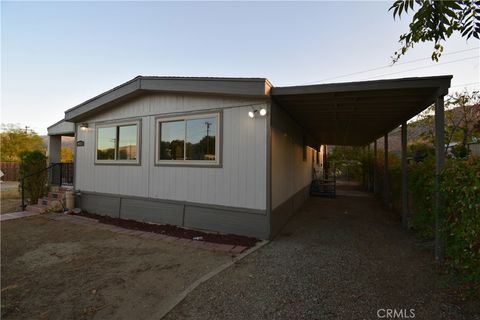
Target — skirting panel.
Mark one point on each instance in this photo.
(152, 211)
(282, 213)
(101, 204)
(239, 221)
(248, 224)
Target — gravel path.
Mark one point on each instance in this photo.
(341, 258)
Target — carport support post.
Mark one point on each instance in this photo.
(369, 169)
(54, 149)
(439, 164)
(386, 196)
(375, 166)
(404, 177)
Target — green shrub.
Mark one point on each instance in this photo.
(421, 185)
(419, 151)
(460, 185)
(461, 188)
(35, 186)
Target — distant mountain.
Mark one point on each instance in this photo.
(416, 129)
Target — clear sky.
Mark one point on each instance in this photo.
(55, 55)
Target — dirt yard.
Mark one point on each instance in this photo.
(10, 197)
(57, 270)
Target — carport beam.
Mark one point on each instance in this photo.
(385, 166)
(404, 177)
(439, 164)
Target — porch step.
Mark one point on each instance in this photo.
(52, 196)
(39, 208)
(43, 201)
(57, 195)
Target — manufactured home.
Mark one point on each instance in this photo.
(233, 155)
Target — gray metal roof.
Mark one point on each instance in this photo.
(352, 113)
(250, 87)
(356, 113)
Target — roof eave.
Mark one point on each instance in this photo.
(441, 82)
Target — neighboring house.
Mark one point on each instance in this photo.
(474, 148)
(234, 155)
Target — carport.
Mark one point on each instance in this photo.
(359, 113)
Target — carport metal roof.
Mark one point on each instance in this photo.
(357, 113)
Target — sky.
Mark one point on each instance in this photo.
(55, 55)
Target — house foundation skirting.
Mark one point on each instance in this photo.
(283, 212)
(241, 221)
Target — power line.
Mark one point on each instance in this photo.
(389, 66)
(466, 84)
(426, 67)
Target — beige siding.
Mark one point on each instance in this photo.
(163, 104)
(240, 182)
(290, 173)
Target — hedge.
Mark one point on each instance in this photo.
(460, 184)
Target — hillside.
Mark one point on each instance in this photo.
(417, 128)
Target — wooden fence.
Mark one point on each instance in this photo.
(10, 171)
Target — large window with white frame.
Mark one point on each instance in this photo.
(118, 143)
(188, 140)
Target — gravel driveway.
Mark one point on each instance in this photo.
(342, 258)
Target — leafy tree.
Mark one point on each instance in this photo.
(462, 121)
(31, 162)
(348, 161)
(467, 126)
(436, 21)
(419, 150)
(66, 154)
(15, 140)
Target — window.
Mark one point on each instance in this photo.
(118, 143)
(188, 140)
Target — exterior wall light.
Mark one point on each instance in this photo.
(84, 126)
(253, 112)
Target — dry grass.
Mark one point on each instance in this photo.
(10, 200)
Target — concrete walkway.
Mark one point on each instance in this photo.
(17, 215)
(343, 258)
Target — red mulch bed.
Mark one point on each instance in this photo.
(174, 231)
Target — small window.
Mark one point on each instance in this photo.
(188, 140)
(118, 143)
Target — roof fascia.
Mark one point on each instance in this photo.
(441, 82)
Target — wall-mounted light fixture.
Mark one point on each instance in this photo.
(84, 126)
(262, 112)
